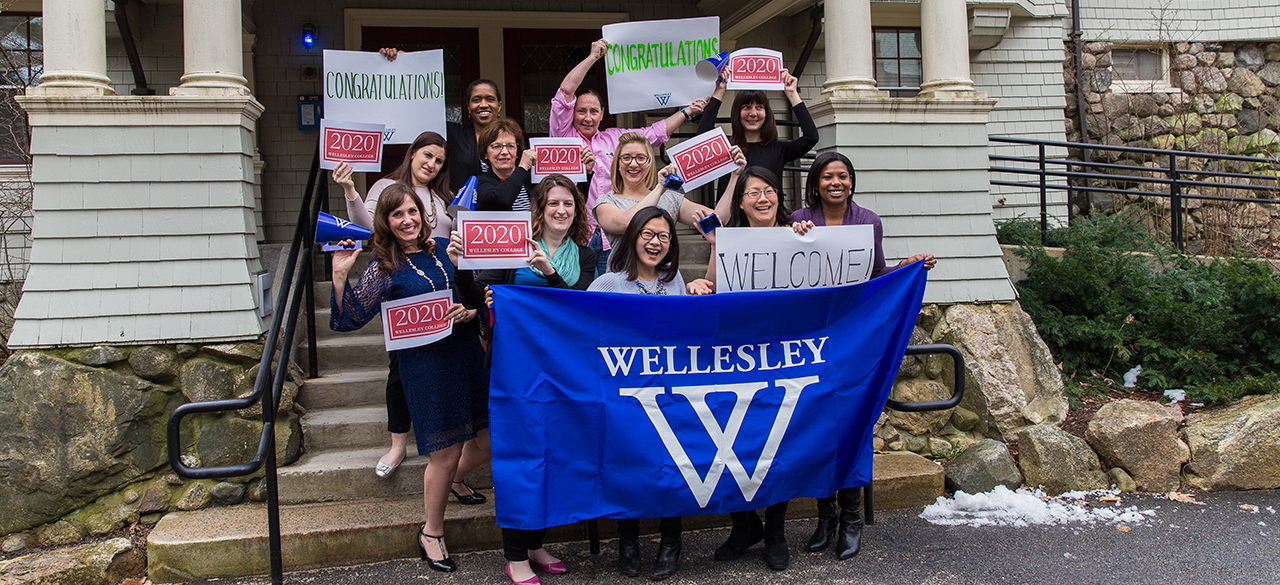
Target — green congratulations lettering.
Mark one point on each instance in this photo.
(635, 57)
(351, 85)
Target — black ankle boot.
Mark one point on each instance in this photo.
(776, 555)
(849, 539)
(629, 556)
(825, 532)
(746, 532)
(668, 559)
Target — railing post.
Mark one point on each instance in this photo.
(1071, 195)
(1044, 201)
(308, 273)
(1175, 203)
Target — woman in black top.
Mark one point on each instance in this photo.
(755, 130)
(505, 186)
(560, 233)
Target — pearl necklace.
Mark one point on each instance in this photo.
(424, 274)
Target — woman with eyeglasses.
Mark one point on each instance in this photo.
(646, 260)
(506, 185)
(637, 184)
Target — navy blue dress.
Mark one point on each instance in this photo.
(446, 383)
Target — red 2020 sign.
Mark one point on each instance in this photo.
(703, 158)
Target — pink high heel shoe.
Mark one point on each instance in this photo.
(555, 568)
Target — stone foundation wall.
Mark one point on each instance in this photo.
(82, 436)
(1222, 100)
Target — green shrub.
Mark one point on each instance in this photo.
(1212, 329)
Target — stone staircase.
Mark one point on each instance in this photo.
(336, 512)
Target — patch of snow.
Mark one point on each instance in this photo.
(1175, 395)
(1131, 377)
(1004, 507)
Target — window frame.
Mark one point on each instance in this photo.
(1161, 85)
(896, 90)
(18, 89)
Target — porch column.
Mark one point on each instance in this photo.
(212, 49)
(849, 57)
(75, 49)
(944, 28)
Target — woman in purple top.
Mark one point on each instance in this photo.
(578, 115)
(829, 200)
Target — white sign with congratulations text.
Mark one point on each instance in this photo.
(651, 64)
(405, 95)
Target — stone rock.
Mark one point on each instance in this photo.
(131, 496)
(1115, 104)
(98, 355)
(155, 499)
(1121, 480)
(1220, 120)
(227, 494)
(913, 365)
(1228, 104)
(981, 468)
(1010, 378)
(963, 419)
(1211, 79)
(1203, 104)
(186, 351)
(1101, 80)
(1226, 59)
(1142, 438)
(1270, 73)
(1237, 447)
(1098, 47)
(1163, 142)
(197, 496)
(155, 363)
(1246, 83)
(1251, 121)
(1188, 123)
(237, 352)
(1057, 461)
(73, 433)
(939, 448)
(919, 390)
(99, 563)
(1206, 59)
(914, 443)
(1143, 105)
(1273, 52)
(15, 542)
(1213, 140)
(57, 534)
(1184, 80)
(1250, 56)
(204, 379)
(227, 440)
(288, 392)
(1184, 62)
(1088, 60)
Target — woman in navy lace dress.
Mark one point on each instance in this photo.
(446, 382)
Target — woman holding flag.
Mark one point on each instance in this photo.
(578, 115)
(446, 382)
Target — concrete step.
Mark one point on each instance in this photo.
(330, 476)
(232, 542)
(359, 427)
(351, 351)
(324, 332)
(362, 387)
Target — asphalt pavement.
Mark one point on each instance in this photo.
(1223, 541)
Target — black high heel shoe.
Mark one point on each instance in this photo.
(470, 499)
(444, 566)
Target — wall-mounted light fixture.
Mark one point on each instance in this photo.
(308, 35)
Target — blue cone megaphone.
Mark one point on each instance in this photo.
(330, 228)
(709, 69)
(466, 199)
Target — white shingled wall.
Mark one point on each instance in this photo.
(1180, 20)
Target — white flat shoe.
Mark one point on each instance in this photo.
(383, 470)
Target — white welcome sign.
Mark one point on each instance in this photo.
(651, 64)
(405, 95)
(756, 259)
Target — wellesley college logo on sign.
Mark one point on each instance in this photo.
(662, 98)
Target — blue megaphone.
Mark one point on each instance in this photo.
(466, 199)
(330, 228)
(709, 69)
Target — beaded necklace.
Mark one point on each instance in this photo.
(431, 217)
(657, 289)
(424, 274)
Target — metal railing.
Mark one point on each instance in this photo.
(267, 387)
(1181, 175)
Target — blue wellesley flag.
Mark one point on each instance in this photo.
(634, 406)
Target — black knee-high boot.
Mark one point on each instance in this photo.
(776, 555)
(849, 539)
(745, 533)
(825, 532)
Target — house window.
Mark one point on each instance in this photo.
(1140, 69)
(898, 62)
(21, 63)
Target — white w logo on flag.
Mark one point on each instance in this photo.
(723, 438)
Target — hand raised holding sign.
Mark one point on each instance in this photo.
(588, 159)
(343, 176)
(791, 87)
(455, 247)
(529, 157)
(538, 258)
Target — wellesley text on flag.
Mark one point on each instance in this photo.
(632, 406)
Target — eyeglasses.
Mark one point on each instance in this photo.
(757, 193)
(647, 235)
(641, 159)
(502, 147)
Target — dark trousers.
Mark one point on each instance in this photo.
(669, 527)
(516, 543)
(398, 420)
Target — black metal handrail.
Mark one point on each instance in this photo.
(268, 385)
(1173, 179)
